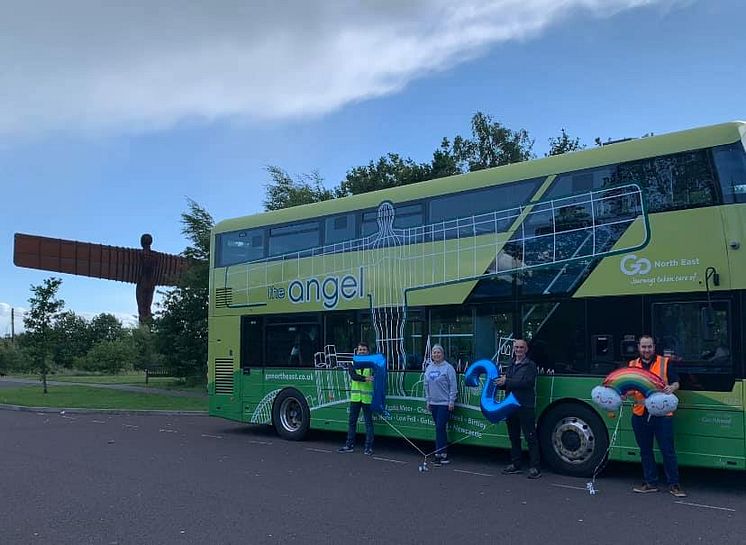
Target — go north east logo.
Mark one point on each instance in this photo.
(643, 271)
(632, 265)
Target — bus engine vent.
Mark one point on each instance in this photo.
(223, 297)
(224, 376)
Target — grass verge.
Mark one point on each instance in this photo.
(83, 397)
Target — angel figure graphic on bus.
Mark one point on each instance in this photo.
(402, 265)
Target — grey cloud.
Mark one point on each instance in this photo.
(137, 65)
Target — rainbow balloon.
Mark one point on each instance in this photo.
(634, 378)
(608, 396)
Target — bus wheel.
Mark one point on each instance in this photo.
(290, 415)
(573, 439)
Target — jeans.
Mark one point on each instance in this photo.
(441, 415)
(646, 428)
(523, 419)
(355, 407)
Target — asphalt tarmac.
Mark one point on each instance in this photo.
(152, 479)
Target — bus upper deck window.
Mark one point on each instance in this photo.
(730, 161)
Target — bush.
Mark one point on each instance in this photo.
(146, 352)
(110, 357)
(13, 360)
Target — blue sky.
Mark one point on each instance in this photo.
(111, 117)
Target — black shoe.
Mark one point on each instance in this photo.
(512, 469)
(436, 461)
(676, 491)
(346, 448)
(368, 452)
(534, 473)
(444, 459)
(645, 488)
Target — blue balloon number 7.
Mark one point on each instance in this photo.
(376, 362)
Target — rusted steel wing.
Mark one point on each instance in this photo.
(96, 260)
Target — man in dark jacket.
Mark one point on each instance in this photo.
(520, 380)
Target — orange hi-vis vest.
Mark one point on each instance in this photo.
(658, 367)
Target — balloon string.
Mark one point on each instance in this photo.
(405, 437)
(426, 456)
(590, 485)
(464, 438)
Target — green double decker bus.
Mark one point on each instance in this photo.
(580, 254)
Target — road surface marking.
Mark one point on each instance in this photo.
(705, 506)
(473, 473)
(584, 489)
(381, 459)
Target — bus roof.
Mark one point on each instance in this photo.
(725, 133)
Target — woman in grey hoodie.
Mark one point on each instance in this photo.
(440, 395)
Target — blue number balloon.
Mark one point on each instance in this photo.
(492, 410)
(376, 362)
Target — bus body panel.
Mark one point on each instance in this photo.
(669, 263)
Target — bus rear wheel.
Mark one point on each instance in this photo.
(290, 415)
(573, 439)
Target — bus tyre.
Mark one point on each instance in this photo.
(290, 415)
(573, 439)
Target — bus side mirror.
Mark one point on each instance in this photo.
(707, 319)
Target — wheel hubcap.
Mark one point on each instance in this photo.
(573, 440)
(291, 414)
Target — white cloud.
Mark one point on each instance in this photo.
(5, 315)
(139, 64)
(128, 320)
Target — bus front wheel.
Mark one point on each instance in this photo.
(290, 415)
(573, 439)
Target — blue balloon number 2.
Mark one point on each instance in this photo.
(491, 409)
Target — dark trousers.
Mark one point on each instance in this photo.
(661, 428)
(441, 414)
(523, 419)
(355, 407)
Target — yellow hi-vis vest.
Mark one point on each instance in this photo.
(658, 367)
(362, 392)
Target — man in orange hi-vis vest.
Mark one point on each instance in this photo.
(648, 427)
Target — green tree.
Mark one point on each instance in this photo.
(72, 338)
(39, 321)
(285, 191)
(444, 162)
(391, 170)
(491, 145)
(196, 224)
(105, 327)
(181, 331)
(146, 350)
(563, 144)
(180, 326)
